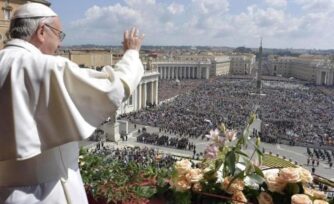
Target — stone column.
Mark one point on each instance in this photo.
(139, 99)
(199, 72)
(156, 88)
(144, 95)
(165, 72)
(194, 76)
(152, 92)
(173, 72)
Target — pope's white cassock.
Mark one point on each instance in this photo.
(47, 104)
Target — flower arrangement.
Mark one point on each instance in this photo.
(229, 173)
(113, 181)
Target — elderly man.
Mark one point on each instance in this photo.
(47, 104)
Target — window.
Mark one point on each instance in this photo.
(6, 14)
(6, 10)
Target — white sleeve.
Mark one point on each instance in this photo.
(129, 69)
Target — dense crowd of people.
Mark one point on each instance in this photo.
(169, 89)
(164, 140)
(289, 110)
(144, 156)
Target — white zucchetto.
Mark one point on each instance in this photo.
(33, 10)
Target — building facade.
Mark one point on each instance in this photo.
(220, 65)
(242, 63)
(314, 69)
(325, 72)
(277, 66)
(183, 69)
(91, 58)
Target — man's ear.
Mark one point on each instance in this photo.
(40, 33)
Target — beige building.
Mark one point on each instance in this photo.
(7, 9)
(91, 58)
(277, 66)
(220, 65)
(314, 69)
(242, 63)
(325, 72)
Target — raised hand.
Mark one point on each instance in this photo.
(132, 40)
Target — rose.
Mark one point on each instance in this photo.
(197, 187)
(319, 194)
(320, 202)
(238, 198)
(300, 199)
(308, 191)
(274, 184)
(231, 135)
(181, 183)
(314, 193)
(183, 166)
(305, 175)
(194, 175)
(237, 185)
(265, 198)
(289, 175)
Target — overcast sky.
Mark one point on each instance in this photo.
(281, 23)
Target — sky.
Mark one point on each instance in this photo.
(306, 24)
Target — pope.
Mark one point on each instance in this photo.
(48, 104)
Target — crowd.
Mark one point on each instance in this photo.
(289, 110)
(164, 140)
(169, 89)
(144, 156)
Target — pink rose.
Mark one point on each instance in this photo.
(183, 166)
(237, 185)
(300, 199)
(238, 198)
(180, 184)
(305, 175)
(320, 202)
(274, 183)
(289, 175)
(194, 175)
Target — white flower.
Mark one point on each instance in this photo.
(220, 177)
(231, 135)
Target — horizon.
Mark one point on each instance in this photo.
(283, 24)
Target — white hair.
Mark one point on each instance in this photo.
(25, 28)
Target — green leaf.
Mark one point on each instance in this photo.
(230, 161)
(241, 153)
(258, 151)
(145, 191)
(258, 171)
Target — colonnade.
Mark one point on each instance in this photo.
(183, 72)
